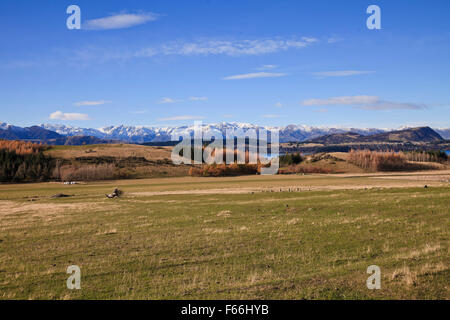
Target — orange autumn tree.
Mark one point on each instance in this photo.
(21, 147)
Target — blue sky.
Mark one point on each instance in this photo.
(163, 63)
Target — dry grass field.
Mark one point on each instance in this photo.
(251, 237)
(110, 150)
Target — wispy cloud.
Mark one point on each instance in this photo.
(364, 102)
(267, 67)
(227, 47)
(388, 105)
(309, 39)
(167, 100)
(91, 103)
(344, 100)
(171, 100)
(278, 105)
(178, 118)
(86, 55)
(342, 73)
(198, 98)
(254, 75)
(119, 21)
(59, 115)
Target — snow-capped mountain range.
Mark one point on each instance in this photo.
(141, 134)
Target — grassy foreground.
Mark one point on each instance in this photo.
(226, 245)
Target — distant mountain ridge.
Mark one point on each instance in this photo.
(40, 134)
(412, 135)
(444, 133)
(62, 134)
(142, 134)
(419, 134)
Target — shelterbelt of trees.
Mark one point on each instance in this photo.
(394, 161)
(24, 162)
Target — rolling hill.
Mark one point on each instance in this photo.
(410, 135)
(420, 134)
(38, 134)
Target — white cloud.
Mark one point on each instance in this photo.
(364, 102)
(198, 98)
(278, 104)
(192, 98)
(91, 103)
(345, 100)
(267, 67)
(343, 73)
(254, 75)
(388, 105)
(309, 39)
(201, 47)
(119, 21)
(226, 47)
(59, 115)
(177, 118)
(167, 100)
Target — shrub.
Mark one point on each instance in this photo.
(291, 158)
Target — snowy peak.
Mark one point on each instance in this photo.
(140, 134)
(72, 131)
